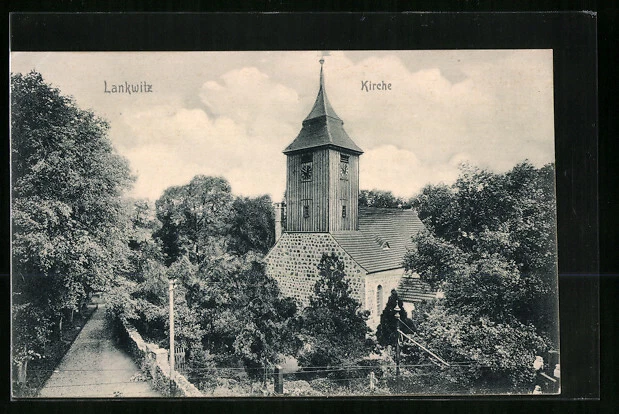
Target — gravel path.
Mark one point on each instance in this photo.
(95, 367)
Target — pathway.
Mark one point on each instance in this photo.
(94, 367)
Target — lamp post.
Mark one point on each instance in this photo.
(171, 291)
(397, 346)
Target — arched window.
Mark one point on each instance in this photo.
(379, 300)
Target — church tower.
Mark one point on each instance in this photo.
(322, 191)
(322, 177)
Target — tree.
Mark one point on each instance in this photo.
(67, 183)
(485, 355)
(490, 245)
(379, 198)
(268, 330)
(142, 245)
(386, 332)
(252, 225)
(195, 219)
(241, 313)
(334, 324)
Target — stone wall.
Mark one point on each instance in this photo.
(153, 361)
(294, 260)
(388, 279)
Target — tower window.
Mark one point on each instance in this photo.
(306, 158)
(379, 299)
(306, 211)
(344, 211)
(343, 167)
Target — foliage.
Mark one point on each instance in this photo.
(31, 333)
(143, 248)
(334, 326)
(252, 225)
(386, 332)
(379, 198)
(195, 219)
(241, 312)
(143, 304)
(227, 311)
(68, 233)
(485, 354)
(490, 247)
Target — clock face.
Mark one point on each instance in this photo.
(344, 170)
(306, 172)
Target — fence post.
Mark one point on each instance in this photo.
(278, 380)
(372, 381)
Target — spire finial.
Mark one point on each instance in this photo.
(322, 79)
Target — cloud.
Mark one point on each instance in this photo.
(246, 123)
(403, 170)
(499, 109)
(232, 113)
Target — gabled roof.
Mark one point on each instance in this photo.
(366, 252)
(412, 289)
(378, 227)
(322, 126)
(392, 225)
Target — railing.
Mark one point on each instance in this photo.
(180, 363)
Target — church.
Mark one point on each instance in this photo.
(323, 216)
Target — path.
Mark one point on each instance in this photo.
(94, 367)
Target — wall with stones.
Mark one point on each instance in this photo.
(294, 260)
(388, 279)
(153, 361)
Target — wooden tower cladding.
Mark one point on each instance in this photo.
(322, 178)
(322, 190)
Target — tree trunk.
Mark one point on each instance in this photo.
(71, 316)
(60, 328)
(22, 372)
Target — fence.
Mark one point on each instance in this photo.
(370, 377)
(180, 363)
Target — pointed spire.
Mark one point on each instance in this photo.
(322, 127)
(322, 107)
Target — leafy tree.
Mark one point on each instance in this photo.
(67, 183)
(252, 225)
(490, 246)
(241, 313)
(195, 219)
(268, 330)
(142, 245)
(379, 198)
(486, 356)
(227, 310)
(386, 332)
(334, 326)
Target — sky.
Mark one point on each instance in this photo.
(231, 114)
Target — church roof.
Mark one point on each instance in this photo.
(412, 289)
(322, 126)
(322, 106)
(383, 238)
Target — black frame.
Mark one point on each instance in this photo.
(572, 36)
